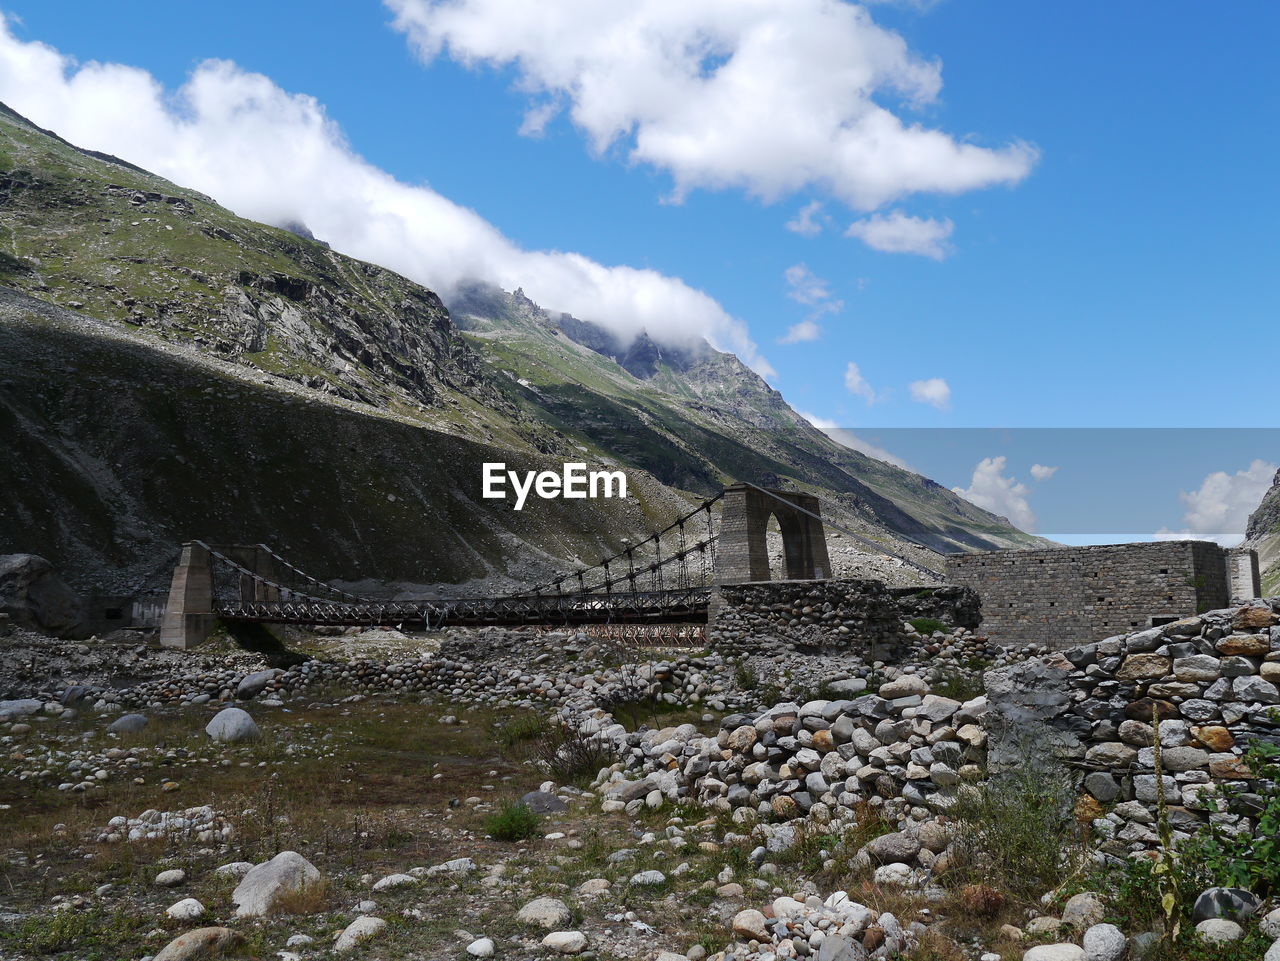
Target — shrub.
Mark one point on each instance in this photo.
(307, 899)
(571, 758)
(745, 677)
(981, 900)
(514, 821)
(1016, 831)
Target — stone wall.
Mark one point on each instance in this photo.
(1213, 680)
(861, 615)
(1068, 596)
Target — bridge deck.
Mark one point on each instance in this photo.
(687, 605)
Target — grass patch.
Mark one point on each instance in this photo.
(521, 729)
(514, 821)
(927, 625)
(96, 933)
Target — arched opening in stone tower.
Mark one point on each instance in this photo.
(777, 549)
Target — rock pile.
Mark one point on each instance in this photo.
(829, 928)
(202, 824)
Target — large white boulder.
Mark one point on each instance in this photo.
(232, 724)
(259, 890)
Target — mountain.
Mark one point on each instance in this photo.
(169, 370)
(1263, 535)
(696, 417)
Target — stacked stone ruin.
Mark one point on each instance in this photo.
(1210, 680)
(861, 616)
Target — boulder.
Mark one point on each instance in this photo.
(546, 913)
(1104, 942)
(254, 684)
(361, 929)
(127, 724)
(35, 597)
(1236, 904)
(1219, 930)
(751, 924)
(906, 686)
(199, 944)
(1083, 911)
(231, 724)
(1055, 952)
(188, 909)
(22, 707)
(543, 802)
(565, 942)
(838, 947)
(895, 847)
(259, 890)
(392, 881)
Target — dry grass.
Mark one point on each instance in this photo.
(308, 899)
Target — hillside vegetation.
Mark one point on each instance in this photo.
(211, 376)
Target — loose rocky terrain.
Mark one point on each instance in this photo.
(542, 794)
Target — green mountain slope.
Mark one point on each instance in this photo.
(696, 417)
(158, 282)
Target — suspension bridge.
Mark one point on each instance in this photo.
(667, 578)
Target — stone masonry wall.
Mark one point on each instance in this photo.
(1212, 680)
(832, 614)
(1067, 596)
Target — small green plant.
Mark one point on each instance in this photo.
(1247, 859)
(927, 625)
(53, 932)
(513, 821)
(1164, 868)
(957, 684)
(745, 677)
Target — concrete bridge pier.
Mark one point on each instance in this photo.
(188, 615)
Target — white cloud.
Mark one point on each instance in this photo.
(771, 96)
(899, 233)
(991, 490)
(804, 331)
(855, 383)
(806, 222)
(806, 287)
(1219, 509)
(848, 438)
(1041, 472)
(274, 156)
(935, 391)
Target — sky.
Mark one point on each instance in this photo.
(928, 215)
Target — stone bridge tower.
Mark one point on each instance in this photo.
(743, 552)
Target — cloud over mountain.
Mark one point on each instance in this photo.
(275, 156)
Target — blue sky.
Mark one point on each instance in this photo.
(1111, 255)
